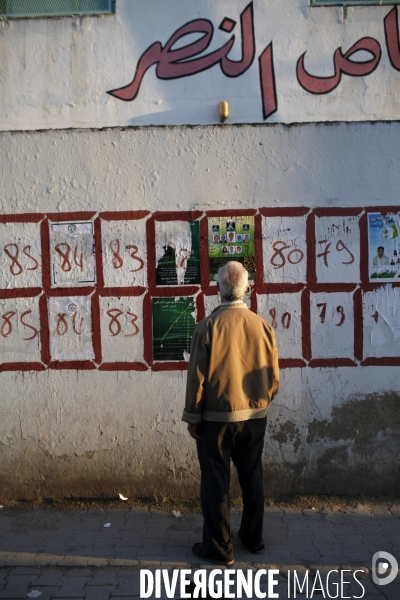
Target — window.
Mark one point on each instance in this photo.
(352, 2)
(55, 8)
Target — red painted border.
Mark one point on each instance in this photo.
(279, 288)
(292, 363)
(259, 283)
(332, 287)
(46, 263)
(284, 211)
(125, 215)
(22, 218)
(147, 330)
(177, 290)
(358, 325)
(44, 330)
(70, 291)
(22, 366)
(20, 293)
(151, 253)
(191, 215)
(96, 328)
(306, 324)
(364, 249)
(79, 365)
(123, 366)
(98, 250)
(331, 362)
(385, 361)
(337, 211)
(311, 270)
(122, 291)
(72, 216)
(237, 212)
(170, 366)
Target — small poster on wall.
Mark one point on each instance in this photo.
(174, 320)
(177, 252)
(384, 247)
(231, 238)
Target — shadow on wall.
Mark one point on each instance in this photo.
(356, 452)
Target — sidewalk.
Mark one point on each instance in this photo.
(72, 554)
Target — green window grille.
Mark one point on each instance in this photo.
(352, 2)
(55, 8)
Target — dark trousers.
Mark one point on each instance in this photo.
(242, 441)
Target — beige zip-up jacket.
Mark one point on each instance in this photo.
(233, 369)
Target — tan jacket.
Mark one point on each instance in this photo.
(233, 369)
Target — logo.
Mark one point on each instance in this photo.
(381, 563)
(72, 228)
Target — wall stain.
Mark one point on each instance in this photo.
(288, 432)
(360, 420)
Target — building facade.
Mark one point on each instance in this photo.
(123, 191)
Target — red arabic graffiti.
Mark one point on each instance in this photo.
(181, 62)
(173, 64)
(392, 38)
(343, 65)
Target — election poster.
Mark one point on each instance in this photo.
(231, 238)
(383, 247)
(177, 252)
(174, 320)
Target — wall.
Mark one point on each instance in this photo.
(112, 154)
(283, 62)
(333, 428)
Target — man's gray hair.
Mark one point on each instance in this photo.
(233, 280)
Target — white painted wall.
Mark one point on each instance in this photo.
(57, 71)
(332, 429)
(93, 432)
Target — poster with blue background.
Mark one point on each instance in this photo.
(384, 247)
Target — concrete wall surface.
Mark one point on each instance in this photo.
(58, 73)
(98, 419)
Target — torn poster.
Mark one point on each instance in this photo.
(72, 254)
(177, 252)
(387, 305)
(70, 321)
(231, 238)
(383, 247)
(174, 320)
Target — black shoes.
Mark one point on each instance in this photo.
(199, 552)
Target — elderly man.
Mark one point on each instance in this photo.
(233, 376)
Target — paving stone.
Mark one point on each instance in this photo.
(72, 587)
(48, 592)
(17, 586)
(51, 577)
(101, 592)
(104, 577)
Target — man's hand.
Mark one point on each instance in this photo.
(192, 429)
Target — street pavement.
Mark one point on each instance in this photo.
(99, 554)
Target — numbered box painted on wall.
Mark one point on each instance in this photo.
(20, 330)
(70, 324)
(124, 253)
(332, 325)
(121, 321)
(284, 249)
(72, 260)
(283, 312)
(337, 249)
(20, 255)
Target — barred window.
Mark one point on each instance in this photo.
(55, 8)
